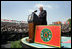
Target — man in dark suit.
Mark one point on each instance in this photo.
(42, 16)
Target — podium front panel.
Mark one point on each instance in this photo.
(31, 30)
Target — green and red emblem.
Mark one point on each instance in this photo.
(46, 35)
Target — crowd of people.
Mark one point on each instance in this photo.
(14, 27)
(65, 28)
(13, 30)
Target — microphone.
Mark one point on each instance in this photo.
(35, 11)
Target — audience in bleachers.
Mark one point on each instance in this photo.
(13, 31)
(13, 27)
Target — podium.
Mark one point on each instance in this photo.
(33, 20)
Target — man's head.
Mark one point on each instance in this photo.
(40, 8)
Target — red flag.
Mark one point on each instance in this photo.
(48, 35)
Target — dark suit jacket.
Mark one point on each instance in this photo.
(42, 17)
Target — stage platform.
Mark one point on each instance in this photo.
(65, 43)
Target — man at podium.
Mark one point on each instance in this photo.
(34, 20)
(42, 16)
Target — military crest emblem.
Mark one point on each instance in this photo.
(46, 35)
